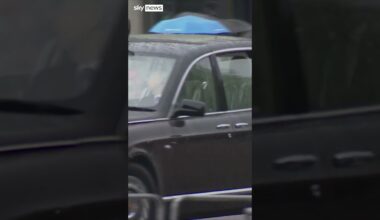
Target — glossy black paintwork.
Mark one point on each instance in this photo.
(67, 166)
(189, 155)
(322, 190)
(286, 126)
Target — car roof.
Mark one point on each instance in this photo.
(185, 38)
(179, 45)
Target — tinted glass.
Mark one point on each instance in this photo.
(200, 85)
(340, 48)
(236, 70)
(147, 77)
(51, 49)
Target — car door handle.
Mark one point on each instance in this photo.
(241, 125)
(223, 126)
(295, 162)
(351, 158)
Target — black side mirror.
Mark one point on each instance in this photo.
(190, 108)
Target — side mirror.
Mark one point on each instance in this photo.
(190, 108)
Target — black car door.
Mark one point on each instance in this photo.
(348, 141)
(341, 71)
(235, 70)
(332, 119)
(286, 168)
(202, 145)
(287, 164)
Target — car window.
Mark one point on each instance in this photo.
(200, 85)
(147, 78)
(51, 50)
(236, 70)
(339, 47)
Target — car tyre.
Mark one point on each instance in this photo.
(140, 181)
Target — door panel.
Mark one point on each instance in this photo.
(344, 180)
(201, 150)
(242, 143)
(202, 155)
(235, 69)
(351, 177)
(325, 78)
(287, 168)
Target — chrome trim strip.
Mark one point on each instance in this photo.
(318, 115)
(148, 120)
(223, 192)
(58, 143)
(184, 76)
(207, 114)
(230, 111)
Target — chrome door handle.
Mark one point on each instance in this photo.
(295, 162)
(241, 125)
(353, 158)
(223, 126)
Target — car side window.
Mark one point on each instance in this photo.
(236, 70)
(339, 49)
(200, 85)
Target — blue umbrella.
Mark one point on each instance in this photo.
(189, 25)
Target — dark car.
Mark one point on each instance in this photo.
(317, 120)
(189, 116)
(63, 144)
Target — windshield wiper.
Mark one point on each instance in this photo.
(143, 109)
(30, 107)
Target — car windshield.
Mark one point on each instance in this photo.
(50, 50)
(147, 77)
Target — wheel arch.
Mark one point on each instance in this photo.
(142, 158)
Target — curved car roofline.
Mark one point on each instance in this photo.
(186, 38)
(184, 45)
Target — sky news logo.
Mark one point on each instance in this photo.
(149, 8)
